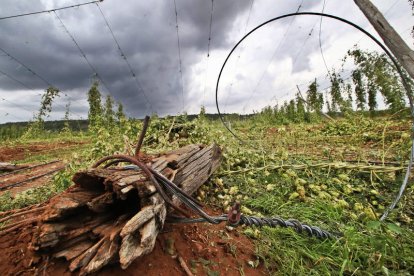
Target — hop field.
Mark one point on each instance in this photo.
(339, 175)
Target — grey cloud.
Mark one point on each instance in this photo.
(147, 34)
(149, 43)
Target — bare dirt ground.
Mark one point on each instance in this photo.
(206, 249)
(23, 151)
(20, 152)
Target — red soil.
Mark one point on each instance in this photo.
(19, 152)
(206, 249)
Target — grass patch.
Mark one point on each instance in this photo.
(340, 199)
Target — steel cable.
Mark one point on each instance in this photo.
(51, 10)
(66, 30)
(261, 222)
(179, 54)
(406, 86)
(164, 185)
(125, 58)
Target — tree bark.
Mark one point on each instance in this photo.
(115, 214)
(391, 38)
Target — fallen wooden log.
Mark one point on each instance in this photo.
(8, 167)
(26, 167)
(115, 214)
(19, 183)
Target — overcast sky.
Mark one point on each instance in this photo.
(265, 68)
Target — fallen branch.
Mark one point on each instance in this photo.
(184, 266)
(10, 228)
(21, 213)
(14, 211)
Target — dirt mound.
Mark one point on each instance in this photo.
(206, 249)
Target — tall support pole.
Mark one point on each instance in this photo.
(391, 38)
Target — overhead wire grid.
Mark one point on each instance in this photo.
(272, 57)
(239, 55)
(51, 10)
(24, 65)
(179, 55)
(125, 58)
(82, 53)
(321, 49)
(208, 51)
(320, 41)
(30, 70)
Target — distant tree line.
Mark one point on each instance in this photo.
(373, 75)
(15, 130)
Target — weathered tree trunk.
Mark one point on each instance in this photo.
(390, 37)
(114, 215)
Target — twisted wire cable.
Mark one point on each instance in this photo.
(387, 52)
(404, 80)
(291, 223)
(274, 222)
(163, 184)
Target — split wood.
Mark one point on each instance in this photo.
(114, 215)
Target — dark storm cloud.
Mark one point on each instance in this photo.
(146, 32)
